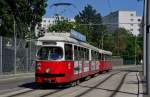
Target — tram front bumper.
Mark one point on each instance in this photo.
(47, 78)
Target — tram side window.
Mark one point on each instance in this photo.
(68, 52)
(79, 53)
(108, 57)
(99, 56)
(86, 54)
(103, 56)
(76, 53)
(93, 55)
(96, 56)
(82, 54)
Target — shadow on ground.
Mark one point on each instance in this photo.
(33, 85)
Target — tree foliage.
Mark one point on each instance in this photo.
(123, 43)
(89, 23)
(61, 26)
(26, 14)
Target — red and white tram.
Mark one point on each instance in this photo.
(62, 59)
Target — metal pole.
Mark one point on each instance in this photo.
(29, 65)
(148, 61)
(0, 20)
(102, 39)
(14, 45)
(1, 55)
(135, 51)
(147, 23)
(27, 59)
(1, 52)
(144, 36)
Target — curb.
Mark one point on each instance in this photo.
(141, 91)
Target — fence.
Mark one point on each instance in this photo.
(16, 55)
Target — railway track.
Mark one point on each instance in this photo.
(95, 85)
(91, 84)
(101, 82)
(114, 91)
(48, 94)
(21, 93)
(119, 85)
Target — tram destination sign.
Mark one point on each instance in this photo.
(77, 35)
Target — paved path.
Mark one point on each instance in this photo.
(118, 83)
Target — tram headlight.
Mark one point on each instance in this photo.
(38, 66)
(69, 66)
(47, 70)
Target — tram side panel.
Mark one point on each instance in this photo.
(102, 65)
(86, 68)
(109, 65)
(77, 70)
(81, 69)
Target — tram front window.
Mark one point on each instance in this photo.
(50, 53)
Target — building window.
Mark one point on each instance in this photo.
(131, 24)
(131, 29)
(132, 19)
(139, 30)
(139, 25)
(49, 21)
(139, 20)
(44, 20)
(131, 14)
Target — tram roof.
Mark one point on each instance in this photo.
(66, 37)
(107, 52)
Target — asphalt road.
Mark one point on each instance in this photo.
(118, 83)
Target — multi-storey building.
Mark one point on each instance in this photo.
(124, 19)
(47, 21)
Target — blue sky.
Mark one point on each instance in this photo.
(102, 6)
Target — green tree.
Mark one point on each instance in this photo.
(61, 26)
(126, 45)
(120, 39)
(26, 13)
(89, 23)
(108, 41)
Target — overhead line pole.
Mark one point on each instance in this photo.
(144, 40)
(147, 42)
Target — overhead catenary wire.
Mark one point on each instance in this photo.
(109, 23)
(61, 4)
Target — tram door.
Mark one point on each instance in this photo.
(69, 60)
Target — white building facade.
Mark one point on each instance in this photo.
(124, 19)
(47, 21)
